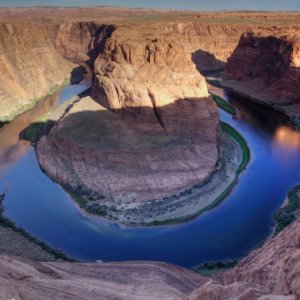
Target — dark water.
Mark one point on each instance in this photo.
(241, 222)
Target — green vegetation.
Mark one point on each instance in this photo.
(246, 152)
(5, 222)
(208, 269)
(80, 201)
(224, 104)
(291, 211)
(31, 131)
(80, 198)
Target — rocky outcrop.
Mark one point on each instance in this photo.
(152, 134)
(21, 279)
(270, 272)
(275, 265)
(142, 69)
(266, 67)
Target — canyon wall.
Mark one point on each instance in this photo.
(209, 45)
(266, 67)
(80, 42)
(36, 57)
(35, 41)
(30, 67)
(270, 272)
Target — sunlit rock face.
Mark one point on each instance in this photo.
(138, 69)
(30, 66)
(266, 66)
(149, 133)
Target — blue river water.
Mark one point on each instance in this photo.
(241, 222)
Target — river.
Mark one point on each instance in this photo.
(230, 231)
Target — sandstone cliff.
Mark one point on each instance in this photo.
(34, 39)
(152, 134)
(30, 67)
(266, 67)
(208, 45)
(270, 272)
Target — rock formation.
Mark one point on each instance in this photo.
(152, 134)
(270, 272)
(209, 45)
(266, 67)
(34, 39)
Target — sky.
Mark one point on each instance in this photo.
(169, 4)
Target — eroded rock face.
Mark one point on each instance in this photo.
(140, 69)
(275, 265)
(30, 66)
(266, 67)
(80, 42)
(152, 134)
(133, 280)
(209, 45)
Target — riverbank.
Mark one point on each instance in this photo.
(43, 125)
(224, 104)
(288, 109)
(234, 157)
(17, 242)
(78, 74)
(31, 103)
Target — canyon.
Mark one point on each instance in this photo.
(147, 131)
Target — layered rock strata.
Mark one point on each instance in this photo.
(30, 67)
(266, 67)
(151, 134)
(34, 39)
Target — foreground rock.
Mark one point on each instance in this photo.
(152, 134)
(266, 67)
(270, 272)
(132, 280)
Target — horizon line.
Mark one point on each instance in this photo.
(144, 7)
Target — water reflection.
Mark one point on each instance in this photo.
(287, 137)
(269, 122)
(11, 147)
